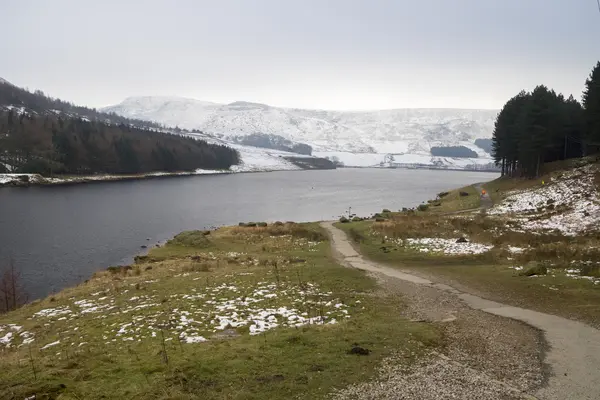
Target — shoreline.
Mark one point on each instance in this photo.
(28, 179)
(42, 181)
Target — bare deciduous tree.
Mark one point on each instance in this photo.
(12, 294)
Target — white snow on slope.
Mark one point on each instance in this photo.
(400, 160)
(389, 131)
(255, 159)
(569, 204)
(445, 246)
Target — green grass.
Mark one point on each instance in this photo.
(554, 293)
(308, 361)
(490, 274)
(454, 202)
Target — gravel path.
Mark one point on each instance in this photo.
(494, 351)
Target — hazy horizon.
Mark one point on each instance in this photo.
(341, 55)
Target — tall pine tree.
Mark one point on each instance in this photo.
(591, 105)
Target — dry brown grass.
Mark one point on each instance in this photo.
(289, 228)
(477, 227)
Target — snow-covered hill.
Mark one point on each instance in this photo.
(400, 131)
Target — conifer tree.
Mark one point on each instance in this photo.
(591, 105)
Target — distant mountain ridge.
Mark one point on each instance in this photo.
(386, 131)
(56, 136)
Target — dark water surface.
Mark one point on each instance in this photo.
(58, 236)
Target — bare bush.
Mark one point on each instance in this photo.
(12, 293)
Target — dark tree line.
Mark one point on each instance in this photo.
(275, 142)
(40, 103)
(453, 151)
(485, 144)
(50, 144)
(542, 126)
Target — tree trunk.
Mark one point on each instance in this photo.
(13, 284)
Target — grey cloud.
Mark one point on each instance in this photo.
(337, 54)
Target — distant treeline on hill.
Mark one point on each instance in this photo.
(40, 103)
(485, 144)
(453, 151)
(275, 142)
(542, 126)
(55, 145)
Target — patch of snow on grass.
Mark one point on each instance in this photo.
(204, 313)
(50, 345)
(569, 205)
(446, 246)
(53, 312)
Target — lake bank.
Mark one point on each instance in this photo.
(266, 312)
(59, 236)
(25, 180)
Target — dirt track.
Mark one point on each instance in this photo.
(497, 352)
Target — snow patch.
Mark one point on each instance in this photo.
(445, 246)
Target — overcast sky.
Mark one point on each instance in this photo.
(332, 54)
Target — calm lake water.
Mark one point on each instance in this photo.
(58, 236)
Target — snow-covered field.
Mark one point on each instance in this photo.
(569, 203)
(445, 246)
(254, 159)
(401, 160)
(202, 313)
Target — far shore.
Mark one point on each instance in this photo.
(26, 179)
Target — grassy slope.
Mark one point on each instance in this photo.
(499, 188)
(303, 362)
(489, 274)
(453, 201)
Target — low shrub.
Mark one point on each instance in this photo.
(386, 211)
(344, 220)
(463, 194)
(591, 270)
(357, 219)
(261, 224)
(356, 236)
(119, 269)
(534, 269)
(443, 194)
(190, 239)
(140, 259)
(199, 267)
(423, 207)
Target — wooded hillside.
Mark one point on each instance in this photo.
(39, 134)
(542, 126)
(55, 145)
